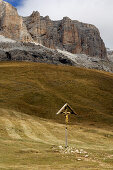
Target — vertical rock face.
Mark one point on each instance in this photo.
(11, 24)
(40, 29)
(73, 36)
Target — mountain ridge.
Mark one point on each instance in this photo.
(39, 39)
(71, 35)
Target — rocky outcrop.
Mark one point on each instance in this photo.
(11, 24)
(19, 51)
(72, 36)
(110, 55)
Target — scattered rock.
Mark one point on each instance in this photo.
(60, 147)
(70, 150)
(79, 159)
(86, 156)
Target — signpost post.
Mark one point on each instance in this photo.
(66, 110)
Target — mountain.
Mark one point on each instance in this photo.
(11, 24)
(32, 136)
(39, 39)
(71, 35)
(11, 50)
(110, 54)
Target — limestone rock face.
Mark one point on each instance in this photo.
(65, 34)
(11, 24)
(110, 55)
(19, 51)
(73, 36)
(41, 29)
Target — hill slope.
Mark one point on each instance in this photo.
(30, 133)
(42, 89)
(28, 142)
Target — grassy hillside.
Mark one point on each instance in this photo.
(29, 142)
(30, 131)
(42, 89)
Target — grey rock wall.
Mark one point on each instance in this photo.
(73, 36)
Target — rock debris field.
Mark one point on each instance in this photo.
(80, 153)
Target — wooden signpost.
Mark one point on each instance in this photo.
(66, 110)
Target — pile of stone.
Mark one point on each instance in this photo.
(71, 150)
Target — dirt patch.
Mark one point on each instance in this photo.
(10, 128)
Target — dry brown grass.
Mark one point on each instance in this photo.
(42, 89)
(30, 96)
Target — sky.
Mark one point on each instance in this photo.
(96, 12)
(15, 3)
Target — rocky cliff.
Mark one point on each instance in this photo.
(72, 36)
(11, 24)
(110, 55)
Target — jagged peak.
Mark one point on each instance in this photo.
(66, 18)
(47, 17)
(67, 34)
(35, 13)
